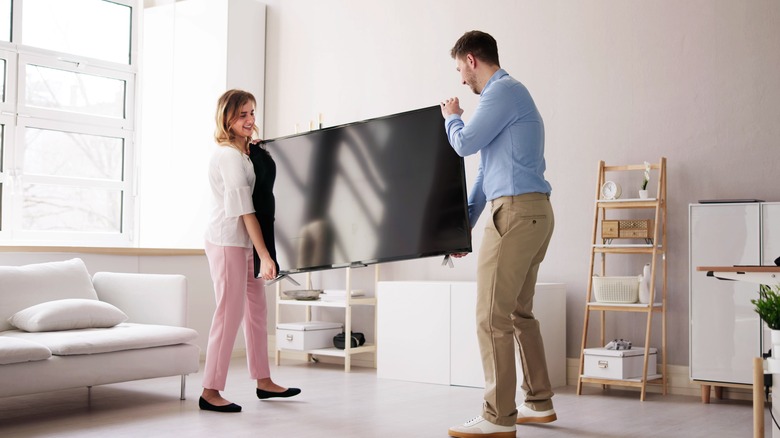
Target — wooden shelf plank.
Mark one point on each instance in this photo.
(627, 249)
(617, 307)
(637, 382)
(627, 203)
(329, 303)
(365, 348)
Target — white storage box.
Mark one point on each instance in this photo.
(306, 335)
(618, 364)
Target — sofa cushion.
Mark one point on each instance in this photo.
(24, 286)
(67, 314)
(125, 336)
(21, 350)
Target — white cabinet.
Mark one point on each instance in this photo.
(413, 328)
(428, 332)
(770, 232)
(725, 332)
(466, 365)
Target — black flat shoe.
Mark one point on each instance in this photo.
(262, 395)
(206, 406)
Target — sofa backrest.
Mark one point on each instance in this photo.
(25, 286)
(145, 298)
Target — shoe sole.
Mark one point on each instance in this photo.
(546, 419)
(482, 435)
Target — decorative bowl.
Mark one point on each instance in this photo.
(303, 294)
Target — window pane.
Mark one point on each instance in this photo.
(61, 208)
(92, 28)
(74, 92)
(5, 20)
(68, 154)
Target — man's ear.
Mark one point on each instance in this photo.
(471, 60)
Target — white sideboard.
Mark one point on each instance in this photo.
(426, 332)
(725, 331)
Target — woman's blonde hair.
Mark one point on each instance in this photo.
(228, 110)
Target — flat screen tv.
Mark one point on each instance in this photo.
(378, 190)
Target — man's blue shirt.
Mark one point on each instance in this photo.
(508, 131)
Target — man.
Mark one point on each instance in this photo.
(508, 132)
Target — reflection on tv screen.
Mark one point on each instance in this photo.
(379, 190)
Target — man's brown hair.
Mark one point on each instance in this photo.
(481, 45)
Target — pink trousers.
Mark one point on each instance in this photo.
(239, 297)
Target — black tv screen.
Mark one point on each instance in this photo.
(384, 189)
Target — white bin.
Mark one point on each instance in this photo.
(306, 335)
(618, 364)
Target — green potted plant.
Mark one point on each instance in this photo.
(767, 305)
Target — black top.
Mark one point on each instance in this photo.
(263, 199)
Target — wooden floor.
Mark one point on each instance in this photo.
(351, 405)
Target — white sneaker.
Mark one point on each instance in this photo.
(528, 415)
(481, 428)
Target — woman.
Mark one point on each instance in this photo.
(232, 232)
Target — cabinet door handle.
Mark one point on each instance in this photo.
(603, 364)
(289, 338)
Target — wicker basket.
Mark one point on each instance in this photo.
(623, 290)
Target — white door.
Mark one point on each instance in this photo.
(724, 329)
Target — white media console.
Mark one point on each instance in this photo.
(426, 332)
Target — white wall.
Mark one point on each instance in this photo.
(623, 81)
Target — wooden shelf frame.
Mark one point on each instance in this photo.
(347, 303)
(657, 252)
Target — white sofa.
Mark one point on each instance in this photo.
(59, 298)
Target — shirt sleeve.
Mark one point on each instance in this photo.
(492, 115)
(477, 199)
(238, 193)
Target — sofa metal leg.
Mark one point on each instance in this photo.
(183, 385)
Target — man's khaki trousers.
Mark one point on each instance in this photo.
(516, 238)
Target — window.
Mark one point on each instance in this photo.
(5, 20)
(70, 27)
(67, 122)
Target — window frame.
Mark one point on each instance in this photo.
(79, 66)
(18, 117)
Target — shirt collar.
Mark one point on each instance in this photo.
(500, 73)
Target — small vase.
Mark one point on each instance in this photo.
(644, 285)
(643, 194)
(775, 337)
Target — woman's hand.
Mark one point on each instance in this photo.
(267, 267)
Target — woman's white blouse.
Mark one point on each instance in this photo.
(232, 179)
